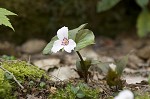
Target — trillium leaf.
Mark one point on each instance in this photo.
(84, 38)
(143, 23)
(121, 64)
(4, 20)
(47, 49)
(73, 32)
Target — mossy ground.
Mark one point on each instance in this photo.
(36, 84)
(22, 71)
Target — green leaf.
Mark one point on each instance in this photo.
(95, 62)
(142, 3)
(8, 76)
(84, 38)
(80, 94)
(47, 49)
(121, 64)
(73, 32)
(85, 68)
(4, 19)
(42, 84)
(74, 90)
(143, 23)
(104, 5)
(78, 66)
(72, 35)
(104, 66)
(6, 12)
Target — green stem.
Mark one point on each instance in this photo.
(82, 61)
(83, 66)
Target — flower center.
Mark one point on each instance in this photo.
(65, 42)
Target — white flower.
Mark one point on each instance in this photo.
(63, 41)
(112, 66)
(125, 94)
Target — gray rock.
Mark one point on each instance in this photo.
(33, 46)
(47, 63)
(134, 79)
(7, 48)
(135, 62)
(64, 73)
(144, 52)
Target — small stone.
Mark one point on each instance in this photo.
(33, 46)
(135, 62)
(47, 63)
(144, 52)
(134, 79)
(64, 73)
(7, 48)
(89, 53)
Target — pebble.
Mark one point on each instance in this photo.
(33, 46)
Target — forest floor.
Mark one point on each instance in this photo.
(60, 66)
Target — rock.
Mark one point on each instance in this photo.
(64, 73)
(33, 46)
(106, 59)
(135, 62)
(144, 52)
(47, 63)
(7, 48)
(89, 53)
(134, 80)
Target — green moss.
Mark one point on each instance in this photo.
(5, 87)
(144, 96)
(21, 71)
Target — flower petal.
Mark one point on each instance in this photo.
(70, 46)
(62, 33)
(57, 46)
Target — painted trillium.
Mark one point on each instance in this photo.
(63, 41)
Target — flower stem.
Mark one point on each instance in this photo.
(82, 61)
(83, 66)
(12, 76)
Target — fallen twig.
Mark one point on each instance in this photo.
(12, 76)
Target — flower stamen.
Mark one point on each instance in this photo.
(65, 42)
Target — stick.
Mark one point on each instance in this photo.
(12, 76)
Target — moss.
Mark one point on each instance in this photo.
(5, 87)
(143, 96)
(21, 71)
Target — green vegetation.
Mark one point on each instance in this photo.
(143, 20)
(4, 20)
(145, 96)
(22, 71)
(80, 91)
